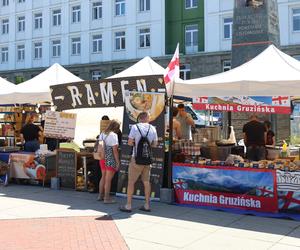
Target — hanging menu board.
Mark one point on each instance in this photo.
(60, 125)
(66, 162)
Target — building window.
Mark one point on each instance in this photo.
(120, 40)
(76, 14)
(185, 72)
(117, 70)
(189, 4)
(97, 10)
(5, 2)
(97, 43)
(21, 23)
(144, 5)
(5, 26)
(4, 55)
(191, 38)
(56, 48)
(38, 20)
(56, 15)
(144, 38)
(21, 52)
(227, 28)
(96, 75)
(120, 7)
(21, 1)
(226, 65)
(296, 19)
(38, 50)
(76, 46)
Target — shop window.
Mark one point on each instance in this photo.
(117, 70)
(185, 72)
(19, 79)
(226, 65)
(96, 75)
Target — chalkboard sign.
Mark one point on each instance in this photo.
(66, 162)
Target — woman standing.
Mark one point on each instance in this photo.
(110, 165)
(270, 134)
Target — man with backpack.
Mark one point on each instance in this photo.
(142, 137)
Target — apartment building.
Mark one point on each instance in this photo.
(90, 37)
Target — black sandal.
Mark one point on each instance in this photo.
(124, 209)
(142, 208)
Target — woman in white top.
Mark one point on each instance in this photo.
(110, 165)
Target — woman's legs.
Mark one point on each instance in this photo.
(102, 180)
(107, 185)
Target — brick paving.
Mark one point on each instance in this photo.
(60, 233)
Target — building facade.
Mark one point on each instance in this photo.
(90, 37)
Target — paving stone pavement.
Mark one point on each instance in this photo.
(37, 210)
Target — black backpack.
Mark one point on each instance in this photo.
(143, 154)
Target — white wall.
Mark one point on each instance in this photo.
(216, 10)
(130, 23)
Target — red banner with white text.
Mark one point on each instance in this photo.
(224, 187)
(254, 104)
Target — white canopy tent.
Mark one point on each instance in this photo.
(271, 73)
(144, 67)
(6, 87)
(37, 89)
(88, 120)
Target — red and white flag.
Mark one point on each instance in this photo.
(172, 72)
(202, 99)
(281, 100)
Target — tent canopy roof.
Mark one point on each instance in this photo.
(144, 67)
(6, 86)
(54, 75)
(272, 72)
(37, 89)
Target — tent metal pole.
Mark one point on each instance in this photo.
(170, 142)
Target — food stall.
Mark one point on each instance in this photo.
(269, 186)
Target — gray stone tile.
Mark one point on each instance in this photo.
(168, 235)
(131, 225)
(293, 238)
(134, 244)
(284, 247)
(217, 241)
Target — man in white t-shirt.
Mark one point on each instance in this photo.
(136, 170)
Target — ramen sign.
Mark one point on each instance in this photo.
(102, 93)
